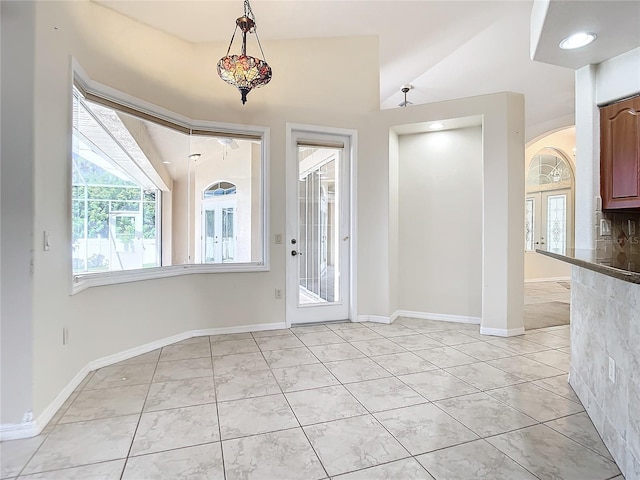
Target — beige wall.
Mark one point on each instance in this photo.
(440, 222)
(180, 77)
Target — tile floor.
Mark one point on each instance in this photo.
(546, 304)
(417, 399)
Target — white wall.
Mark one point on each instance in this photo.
(440, 222)
(17, 151)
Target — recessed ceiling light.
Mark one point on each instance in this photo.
(195, 156)
(436, 126)
(166, 163)
(577, 40)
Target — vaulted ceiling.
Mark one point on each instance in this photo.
(444, 49)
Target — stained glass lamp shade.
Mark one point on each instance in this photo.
(242, 71)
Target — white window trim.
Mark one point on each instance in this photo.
(80, 282)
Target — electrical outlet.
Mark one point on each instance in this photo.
(278, 294)
(28, 417)
(631, 226)
(612, 370)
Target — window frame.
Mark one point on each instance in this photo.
(124, 102)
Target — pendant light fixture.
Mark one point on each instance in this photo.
(242, 71)
(405, 89)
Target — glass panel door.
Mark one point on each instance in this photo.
(209, 254)
(318, 228)
(319, 277)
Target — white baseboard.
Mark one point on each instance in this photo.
(436, 316)
(502, 332)
(548, 279)
(374, 319)
(31, 429)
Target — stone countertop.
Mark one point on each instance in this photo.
(589, 259)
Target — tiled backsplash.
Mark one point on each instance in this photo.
(618, 240)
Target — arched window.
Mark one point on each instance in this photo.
(218, 189)
(549, 202)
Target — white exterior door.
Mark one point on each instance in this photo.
(549, 221)
(318, 228)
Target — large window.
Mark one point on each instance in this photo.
(148, 192)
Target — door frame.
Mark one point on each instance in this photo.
(291, 168)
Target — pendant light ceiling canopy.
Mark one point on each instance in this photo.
(242, 71)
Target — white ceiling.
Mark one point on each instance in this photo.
(445, 49)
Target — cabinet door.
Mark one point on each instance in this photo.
(620, 155)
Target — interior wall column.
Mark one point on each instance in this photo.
(503, 220)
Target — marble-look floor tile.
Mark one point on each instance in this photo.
(423, 428)
(180, 393)
(278, 455)
(382, 346)
(484, 376)
(310, 329)
(390, 331)
(105, 403)
(356, 370)
(407, 469)
(353, 443)
(451, 337)
(213, 339)
(179, 427)
(242, 362)
(553, 358)
(304, 377)
(81, 443)
(232, 347)
(319, 338)
(290, 357)
(272, 333)
(416, 342)
(475, 410)
(444, 357)
(550, 455)
(98, 471)
(202, 462)
(358, 334)
(184, 351)
(279, 343)
(483, 351)
(403, 363)
(14, 454)
(384, 394)
(251, 416)
(579, 428)
(196, 339)
(525, 368)
(558, 385)
(536, 402)
(246, 385)
(181, 369)
(476, 460)
(335, 352)
(324, 404)
(149, 357)
(59, 414)
(121, 376)
(437, 385)
(336, 326)
(517, 345)
(547, 340)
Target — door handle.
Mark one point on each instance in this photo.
(294, 253)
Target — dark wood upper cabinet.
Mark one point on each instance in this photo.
(620, 155)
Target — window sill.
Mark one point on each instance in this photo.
(87, 280)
